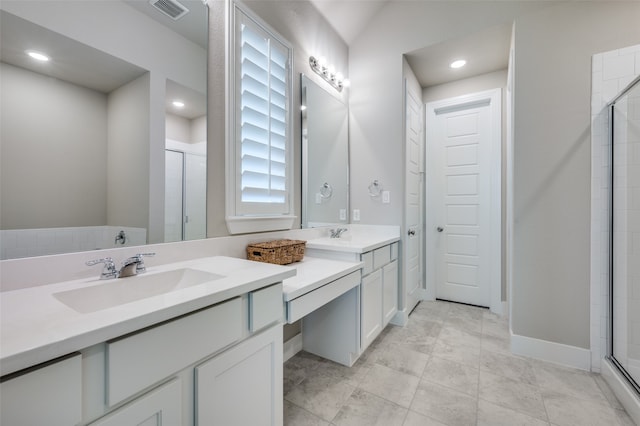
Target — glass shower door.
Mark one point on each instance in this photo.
(625, 234)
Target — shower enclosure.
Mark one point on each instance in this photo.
(624, 262)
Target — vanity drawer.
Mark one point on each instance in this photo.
(137, 361)
(303, 305)
(265, 306)
(367, 260)
(381, 256)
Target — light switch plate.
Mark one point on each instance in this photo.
(343, 214)
(386, 197)
(356, 215)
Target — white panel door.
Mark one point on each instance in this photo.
(413, 203)
(461, 143)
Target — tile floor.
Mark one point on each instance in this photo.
(449, 366)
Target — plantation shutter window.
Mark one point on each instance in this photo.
(261, 141)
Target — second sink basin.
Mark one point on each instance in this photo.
(125, 290)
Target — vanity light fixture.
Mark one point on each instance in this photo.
(336, 79)
(458, 64)
(178, 104)
(37, 56)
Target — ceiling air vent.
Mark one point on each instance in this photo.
(171, 8)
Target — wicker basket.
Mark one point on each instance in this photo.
(280, 252)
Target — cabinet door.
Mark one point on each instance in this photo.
(390, 291)
(371, 307)
(50, 395)
(161, 406)
(243, 385)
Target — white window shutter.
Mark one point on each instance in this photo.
(262, 130)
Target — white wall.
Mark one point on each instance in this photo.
(54, 137)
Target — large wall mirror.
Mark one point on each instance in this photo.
(325, 157)
(104, 144)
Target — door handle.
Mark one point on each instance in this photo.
(440, 228)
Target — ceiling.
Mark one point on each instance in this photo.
(485, 51)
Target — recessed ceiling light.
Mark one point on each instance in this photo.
(458, 64)
(37, 56)
(178, 104)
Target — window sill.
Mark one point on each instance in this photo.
(248, 224)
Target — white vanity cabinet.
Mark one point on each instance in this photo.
(242, 386)
(161, 406)
(379, 291)
(371, 308)
(46, 395)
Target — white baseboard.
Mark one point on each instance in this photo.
(557, 353)
(292, 347)
(621, 389)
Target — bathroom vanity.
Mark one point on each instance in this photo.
(346, 292)
(199, 355)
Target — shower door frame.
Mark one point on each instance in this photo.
(610, 326)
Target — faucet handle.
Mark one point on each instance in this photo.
(140, 267)
(108, 271)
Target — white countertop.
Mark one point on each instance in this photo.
(313, 273)
(36, 327)
(359, 244)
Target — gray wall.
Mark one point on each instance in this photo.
(553, 45)
(51, 128)
(128, 154)
(552, 179)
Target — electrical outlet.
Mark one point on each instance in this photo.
(386, 197)
(343, 214)
(356, 215)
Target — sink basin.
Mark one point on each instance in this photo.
(124, 290)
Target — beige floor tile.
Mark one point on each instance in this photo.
(493, 343)
(417, 419)
(568, 381)
(513, 394)
(608, 393)
(321, 395)
(390, 384)
(452, 375)
(399, 357)
(511, 366)
(455, 336)
(365, 409)
(458, 353)
(296, 416)
(565, 410)
(464, 323)
(494, 415)
(445, 405)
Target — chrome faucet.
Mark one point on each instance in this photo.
(131, 266)
(108, 271)
(335, 233)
